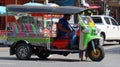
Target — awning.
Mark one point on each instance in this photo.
(90, 6)
(51, 5)
(86, 4)
(94, 7)
(33, 4)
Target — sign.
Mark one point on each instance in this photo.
(64, 2)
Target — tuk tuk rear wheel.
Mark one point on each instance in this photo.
(23, 51)
(98, 56)
(43, 54)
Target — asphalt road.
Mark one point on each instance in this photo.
(112, 59)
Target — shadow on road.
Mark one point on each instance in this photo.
(46, 60)
(110, 44)
(8, 58)
(115, 50)
(64, 60)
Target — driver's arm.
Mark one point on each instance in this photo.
(62, 29)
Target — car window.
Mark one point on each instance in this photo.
(114, 22)
(107, 20)
(97, 19)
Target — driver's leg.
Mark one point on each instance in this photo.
(73, 40)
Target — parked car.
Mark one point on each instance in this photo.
(109, 27)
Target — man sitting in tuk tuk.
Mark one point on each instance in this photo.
(66, 30)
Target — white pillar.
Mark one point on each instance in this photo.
(16, 2)
(32, 0)
(46, 1)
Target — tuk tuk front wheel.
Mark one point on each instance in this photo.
(98, 56)
(23, 51)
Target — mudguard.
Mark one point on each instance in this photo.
(13, 46)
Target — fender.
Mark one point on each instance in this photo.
(93, 38)
(91, 45)
(86, 42)
(13, 46)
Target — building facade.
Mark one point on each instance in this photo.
(114, 6)
(108, 7)
(96, 3)
(7, 2)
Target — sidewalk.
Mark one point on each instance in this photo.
(4, 48)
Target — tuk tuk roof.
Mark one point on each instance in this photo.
(45, 9)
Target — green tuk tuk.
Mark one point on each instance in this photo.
(33, 34)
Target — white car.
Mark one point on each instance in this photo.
(109, 27)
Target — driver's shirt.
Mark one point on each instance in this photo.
(65, 25)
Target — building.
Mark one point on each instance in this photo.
(107, 7)
(97, 6)
(7, 2)
(114, 6)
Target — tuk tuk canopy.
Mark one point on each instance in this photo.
(44, 9)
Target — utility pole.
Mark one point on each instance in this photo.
(107, 7)
(77, 4)
(32, 0)
(16, 2)
(102, 6)
(46, 1)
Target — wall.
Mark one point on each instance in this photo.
(114, 9)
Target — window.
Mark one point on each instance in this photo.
(118, 1)
(107, 20)
(114, 22)
(97, 19)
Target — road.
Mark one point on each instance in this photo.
(112, 59)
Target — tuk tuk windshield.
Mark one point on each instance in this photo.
(88, 21)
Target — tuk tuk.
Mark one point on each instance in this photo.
(34, 34)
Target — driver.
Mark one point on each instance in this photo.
(65, 29)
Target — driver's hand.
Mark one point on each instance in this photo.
(69, 32)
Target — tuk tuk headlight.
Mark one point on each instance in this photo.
(96, 31)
